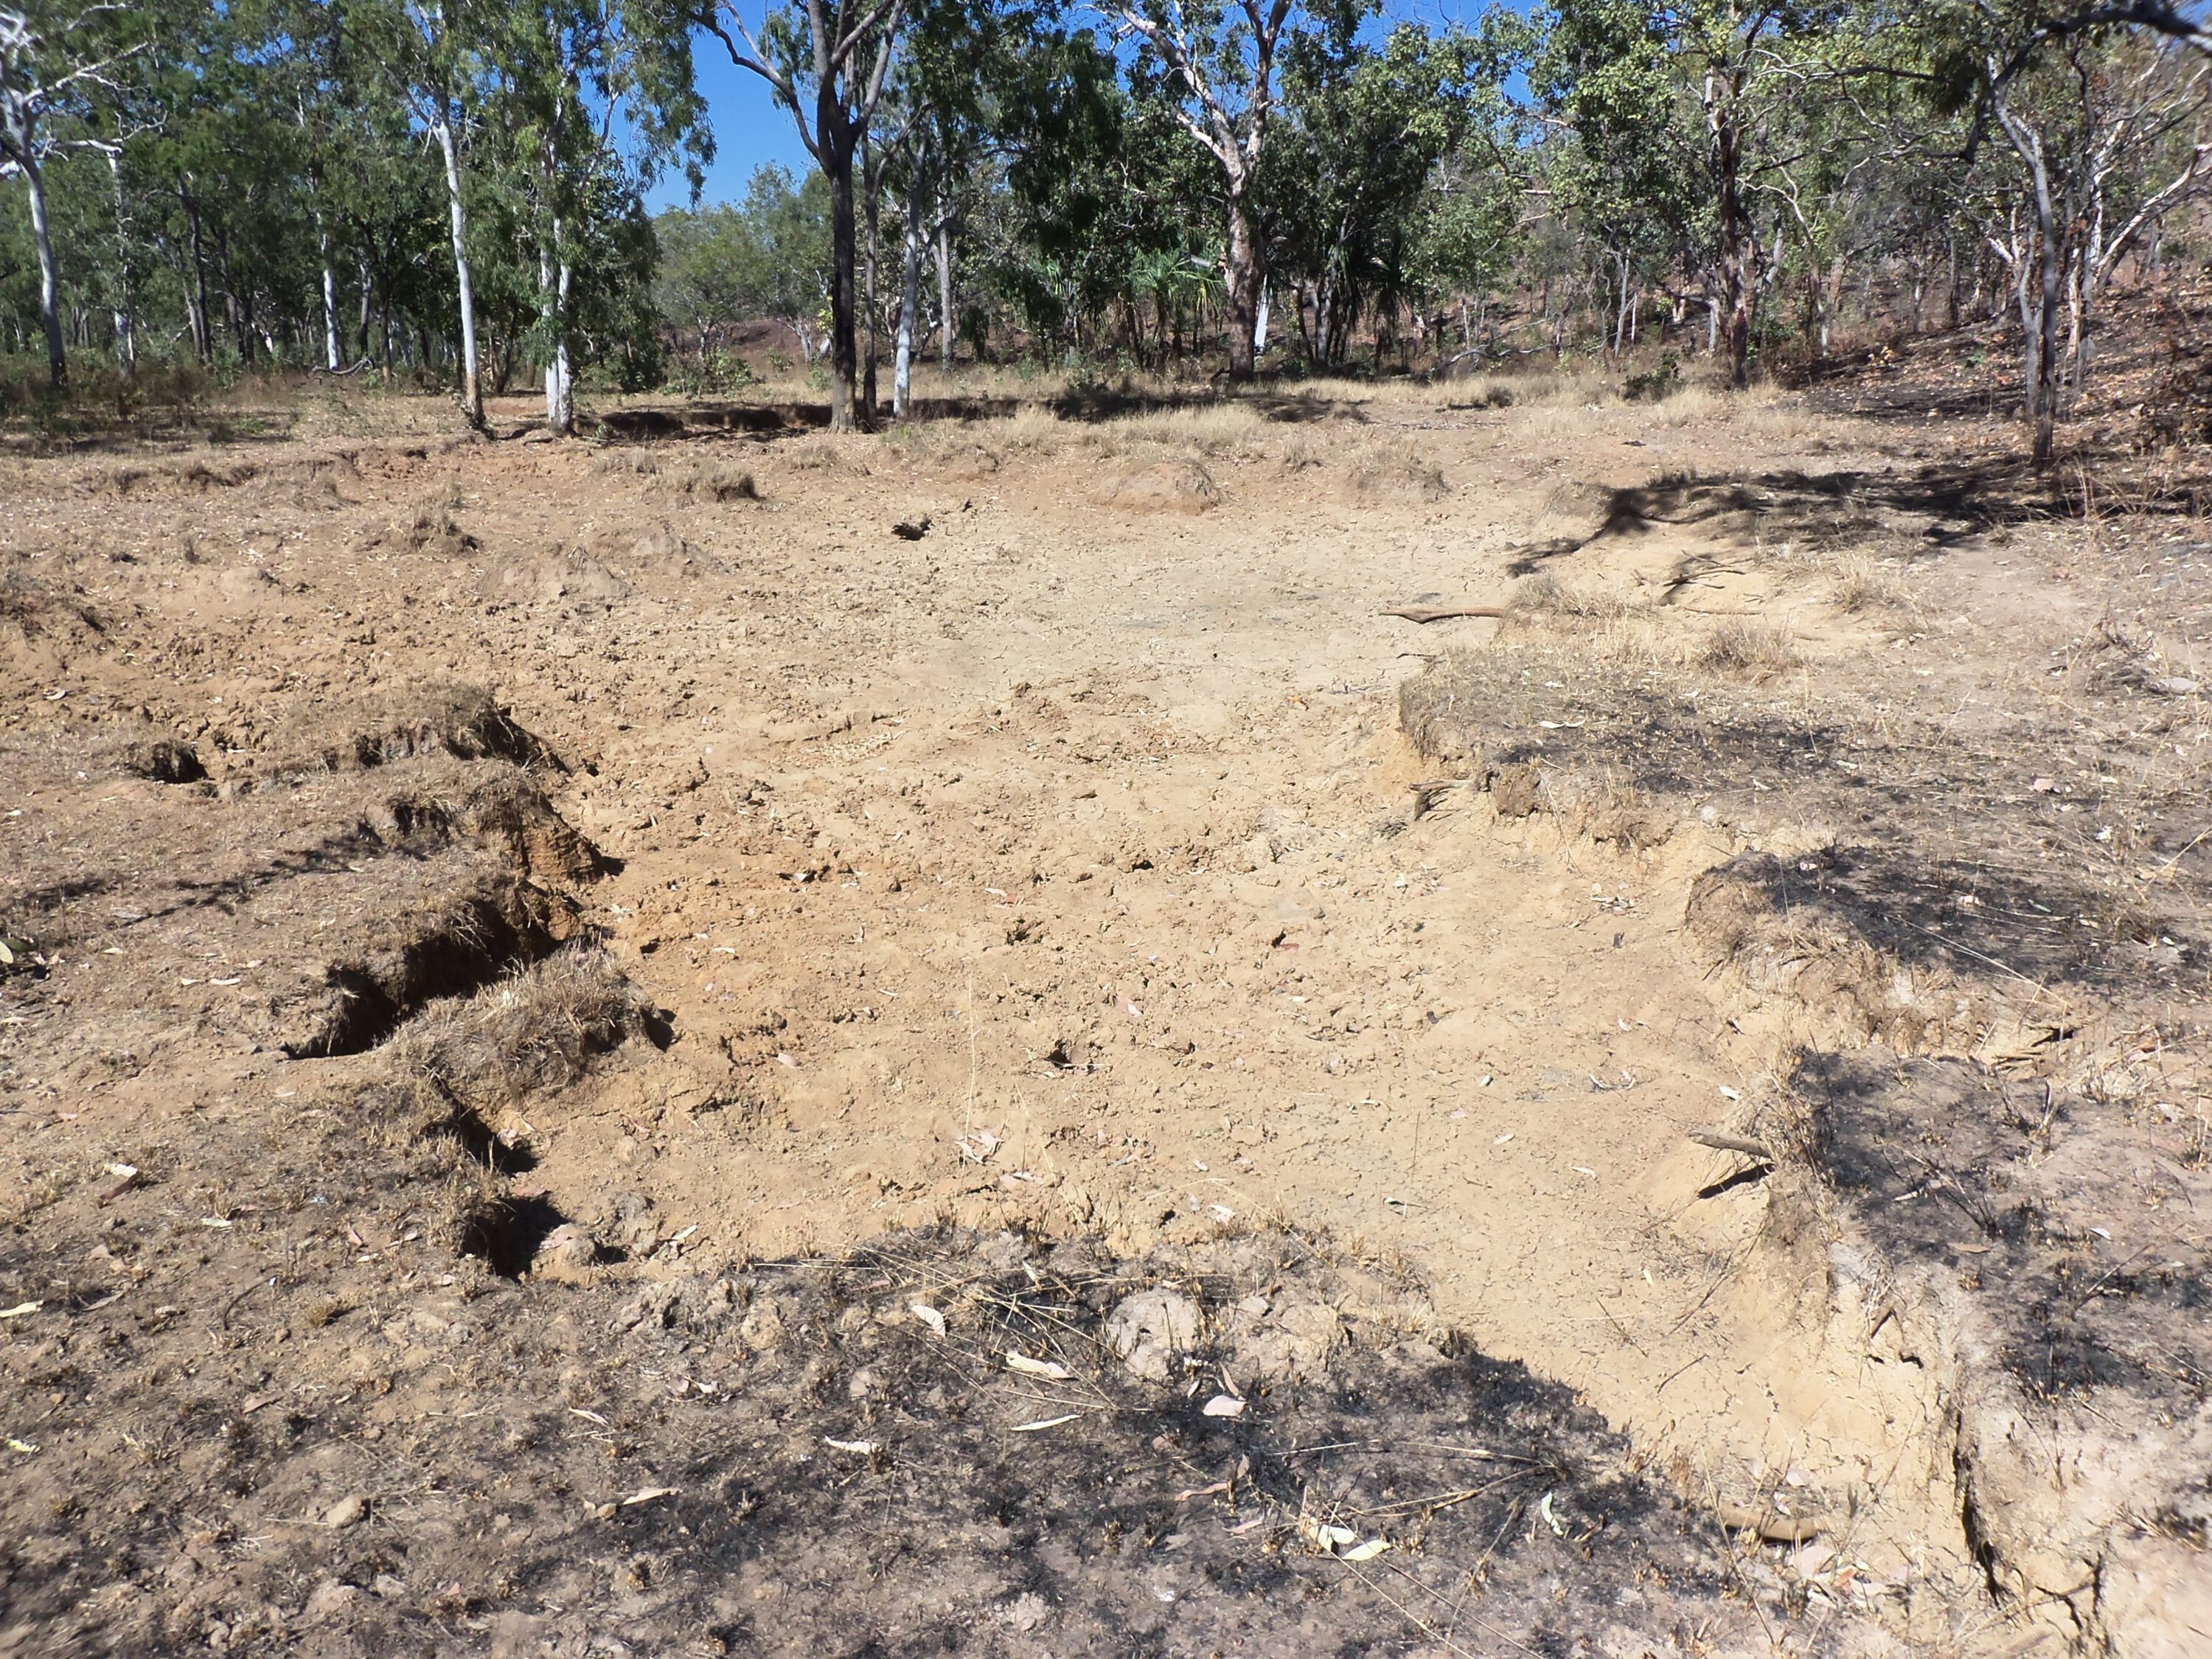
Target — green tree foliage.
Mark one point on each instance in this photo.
(767, 259)
(453, 189)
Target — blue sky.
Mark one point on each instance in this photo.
(749, 129)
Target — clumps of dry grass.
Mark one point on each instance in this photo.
(1215, 430)
(715, 481)
(433, 528)
(824, 451)
(1756, 652)
(1864, 585)
(1393, 473)
(641, 463)
(1545, 597)
(1170, 486)
(459, 1064)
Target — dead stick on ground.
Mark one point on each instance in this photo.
(1445, 613)
(1721, 1142)
(1771, 1527)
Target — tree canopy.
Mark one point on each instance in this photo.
(455, 191)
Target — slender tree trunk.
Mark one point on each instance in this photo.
(946, 331)
(1620, 310)
(835, 137)
(909, 299)
(361, 330)
(1246, 276)
(1738, 240)
(553, 276)
(1259, 331)
(473, 404)
(874, 184)
(50, 292)
(330, 296)
(126, 296)
(2047, 303)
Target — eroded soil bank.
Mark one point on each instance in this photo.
(607, 1053)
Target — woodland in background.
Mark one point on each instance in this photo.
(455, 192)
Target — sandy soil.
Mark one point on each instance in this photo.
(1056, 864)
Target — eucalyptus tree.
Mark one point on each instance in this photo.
(836, 56)
(430, 54)
(581, 76)
(1367, 127)
(2103, 111)
(1214, 63)
(1662, 91)
(56, 64)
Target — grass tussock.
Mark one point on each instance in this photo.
(1745, 650)
(1546, 597)
(1397, 472)
(537, 1032)
(1864, 584)
(715, 481)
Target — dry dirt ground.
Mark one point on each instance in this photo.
(723, 1040)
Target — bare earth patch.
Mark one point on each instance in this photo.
(604, 1051)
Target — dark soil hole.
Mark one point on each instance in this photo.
(506, 1232)
(165, 762)
(457, 952)
(485, 1148)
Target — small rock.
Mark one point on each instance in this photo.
(331, 1599)
(567, 1252)
(1149, 1329)
(347, 1510)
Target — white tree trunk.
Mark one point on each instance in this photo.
(330, 297)
(472, 382)
(946, 331)
(910, 303)
(50, 289)
(554, 272)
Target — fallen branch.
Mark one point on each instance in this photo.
(1418, 614)
(1721, 1142)
(1771, 1527)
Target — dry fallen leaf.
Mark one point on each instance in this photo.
(928, 1315)
(1224, 1404)
(1047, 1368)
(862, 1447)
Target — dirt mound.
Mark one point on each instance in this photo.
(1398, 478)
(713, 480)
(457, 1068)
(554, 575)
(2029, 1238)
(656, 551)
(448, 944)
(44, 626)
(438, 717)
(1180, 486)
